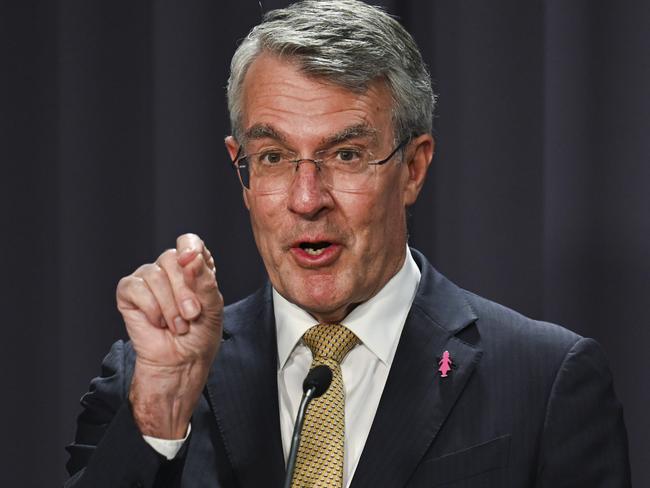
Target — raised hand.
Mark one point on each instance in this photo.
(173, 314)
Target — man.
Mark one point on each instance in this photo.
(331, 109)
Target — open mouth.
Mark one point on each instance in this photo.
(315, 248)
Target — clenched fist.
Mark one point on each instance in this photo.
(173, 314)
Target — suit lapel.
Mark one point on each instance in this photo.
(416, 399)
(243, 394)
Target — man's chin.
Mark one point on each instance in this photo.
(325, 307)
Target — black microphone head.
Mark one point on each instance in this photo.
(318, 378)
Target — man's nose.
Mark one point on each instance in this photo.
(308, 194)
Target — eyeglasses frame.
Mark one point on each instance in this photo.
(316, 162)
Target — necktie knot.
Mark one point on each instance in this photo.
(330, 341)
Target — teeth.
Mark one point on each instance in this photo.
(314, 252)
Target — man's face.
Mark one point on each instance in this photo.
(361, 236)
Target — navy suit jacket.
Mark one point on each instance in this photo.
(526, 404)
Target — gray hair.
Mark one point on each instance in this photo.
(348, 43)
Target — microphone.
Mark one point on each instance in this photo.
(316, 383)
(318, 378)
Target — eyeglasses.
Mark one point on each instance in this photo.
(343, 169)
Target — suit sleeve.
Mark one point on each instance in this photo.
(584, 441)
(108, 449)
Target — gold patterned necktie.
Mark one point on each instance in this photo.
(320, 456)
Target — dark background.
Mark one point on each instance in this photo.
(112, 116)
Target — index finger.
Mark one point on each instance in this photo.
(188, 246)
(189, 241)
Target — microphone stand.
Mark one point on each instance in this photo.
(297, 432)
(316, 383)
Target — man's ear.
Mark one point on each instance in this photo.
(232, 146)
(419, 154)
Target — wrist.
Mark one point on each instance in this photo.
(163, 398)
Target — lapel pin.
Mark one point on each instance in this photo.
(445, 364)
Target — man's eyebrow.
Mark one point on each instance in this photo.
(352, 132)
(262, 131)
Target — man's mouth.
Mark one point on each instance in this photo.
(315, 252)
(315, 248)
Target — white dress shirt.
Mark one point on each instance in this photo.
(378, 324)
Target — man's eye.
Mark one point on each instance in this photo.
(348, 155)
(271, 158)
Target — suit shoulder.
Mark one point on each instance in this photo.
(506, 327)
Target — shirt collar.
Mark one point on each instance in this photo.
(378, 323)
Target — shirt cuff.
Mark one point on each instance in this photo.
(166, 447)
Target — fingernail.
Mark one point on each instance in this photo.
(181, 326)
(190, 309)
